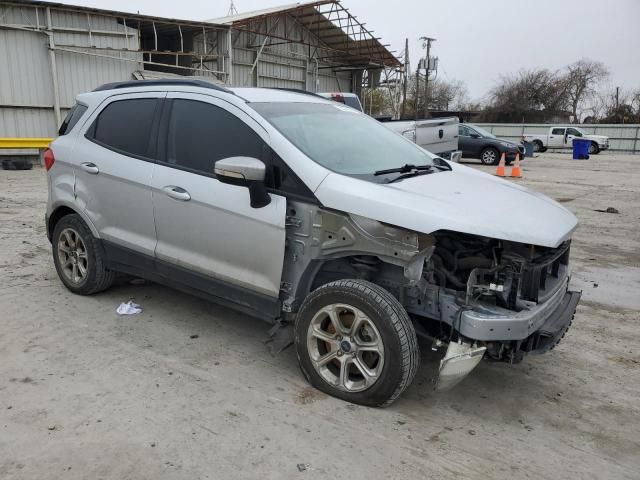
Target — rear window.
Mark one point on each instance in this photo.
(72, 118)
(125, 126)
(353, 102)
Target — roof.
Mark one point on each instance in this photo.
(346, 39)
(112, 13)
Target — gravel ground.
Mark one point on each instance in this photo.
(187, 389)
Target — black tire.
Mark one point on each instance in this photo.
(490, 156)
(538, 146)
(97, 277)
(397, 335)
(594, 148)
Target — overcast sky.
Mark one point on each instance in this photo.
(477, 40)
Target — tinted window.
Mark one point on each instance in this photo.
(464, 131)
(72, 118)
(201, 133)
(573, 131)
(125, 125)
(557, 131)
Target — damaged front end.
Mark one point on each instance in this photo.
(491, 297)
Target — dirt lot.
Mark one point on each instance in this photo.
(85, 393)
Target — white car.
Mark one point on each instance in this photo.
(562, 137)
(314, 217)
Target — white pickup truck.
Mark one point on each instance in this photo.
(562, 137)
(438, 135)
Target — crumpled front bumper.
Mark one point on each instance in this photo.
(497, 324)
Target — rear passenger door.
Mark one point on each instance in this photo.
(114, 157)
(556, 138)
(208, 233)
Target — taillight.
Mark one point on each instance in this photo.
(48, 158)
(337, 97)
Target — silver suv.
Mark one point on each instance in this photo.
(308, 214)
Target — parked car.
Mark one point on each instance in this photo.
(438, 136)
(562, 137)
(305, 212)
(476, 142)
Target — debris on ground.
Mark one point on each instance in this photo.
(194, 336)
(301, 467)
(128, 308)
(608, 210)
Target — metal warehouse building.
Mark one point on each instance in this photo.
(52, 51)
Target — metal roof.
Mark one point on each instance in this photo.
(113, 13)
(347, 40)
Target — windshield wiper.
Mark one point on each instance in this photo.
(404, 169)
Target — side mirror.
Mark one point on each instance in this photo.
(246, 172)
(474, 135)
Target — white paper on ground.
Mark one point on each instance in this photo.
(128, 308)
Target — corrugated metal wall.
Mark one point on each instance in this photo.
(83, 61)
(287, 65)
(623, 138)
(26, 84)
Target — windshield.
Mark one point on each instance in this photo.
(341, 139)
(484, 132)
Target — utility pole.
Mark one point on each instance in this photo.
(232, 9)
(427, 41)
(417, 95)
(405, 77)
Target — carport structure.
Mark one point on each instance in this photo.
(325, 46)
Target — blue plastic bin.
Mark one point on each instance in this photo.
(581, 149)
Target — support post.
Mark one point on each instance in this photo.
(230, 55)
(54, 70)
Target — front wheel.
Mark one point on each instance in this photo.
(490, 156)
(355, 341)
(594, 148)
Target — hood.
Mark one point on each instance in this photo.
(462, 200)
(510, 142)
(598, 138)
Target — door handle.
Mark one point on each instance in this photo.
(177, 193)
(90, 168)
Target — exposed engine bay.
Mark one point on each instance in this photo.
(483, 297)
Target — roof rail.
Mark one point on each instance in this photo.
(161, 82)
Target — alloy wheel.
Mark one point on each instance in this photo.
(345, 347)
(72, 254)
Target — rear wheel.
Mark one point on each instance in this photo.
(355, 341)
(538, 146)
(594, 148)
(490, 156)
(79, 258)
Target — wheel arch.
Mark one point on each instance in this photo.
(63, 210)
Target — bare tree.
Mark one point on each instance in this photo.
(526, 94)
(581, 81)
(446, 95)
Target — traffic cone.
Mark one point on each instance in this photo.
(515, 170)
(500, 169)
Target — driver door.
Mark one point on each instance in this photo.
(570, 135)
(206, 229)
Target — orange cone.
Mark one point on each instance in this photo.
(500, 169)
(515, 170)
